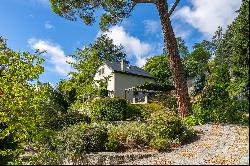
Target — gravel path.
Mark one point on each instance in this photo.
(217, 145)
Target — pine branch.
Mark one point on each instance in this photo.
(173, 7)
(144, 1)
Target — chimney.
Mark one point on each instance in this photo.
(123, 64)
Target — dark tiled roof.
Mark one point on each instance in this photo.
(129, 69)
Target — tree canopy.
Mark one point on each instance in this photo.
(21, 119)
(113, 11)
(158, 66)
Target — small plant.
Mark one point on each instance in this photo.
(160, 144)
(113, 145)
(199, 116)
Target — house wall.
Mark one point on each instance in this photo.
(107, 72)
(124, 81)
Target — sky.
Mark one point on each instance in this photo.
(31, 24)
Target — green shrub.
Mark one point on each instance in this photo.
(161, 144)
(113, 144)
(143, 110)
(108, 109)
(81, 138)
(186, 135)
(58, 121)
(228, 110)
(224, 110)
(167, 99)
(130, 135)
(244, 119)
(240, 105)
(102, 92)
(133, 111)
(192, 121)
(165, 124)
(199, 116)
(148, 109)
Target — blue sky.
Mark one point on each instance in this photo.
(31, 24)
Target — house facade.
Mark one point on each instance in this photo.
(121, 76)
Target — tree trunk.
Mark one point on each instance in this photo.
(176, 67)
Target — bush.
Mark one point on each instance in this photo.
(58, 121)
(167, 100)
(244, 119)
(220, 111)
(187, 134)
(148, 109)
(161, 131)
(165, 124)
(130, 135)
(108, 109)
(133, 111)
(143, 110)
(161, 144)
(113, 144)
(199, 116)
(102, 92)
(81, 138)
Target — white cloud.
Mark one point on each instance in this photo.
(48, 25)
(132, 45)
(207, 15)
(55, 55)
(151, 26)
(42, 2)
(181, 31)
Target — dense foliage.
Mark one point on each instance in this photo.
(158, 66)
(108, 109)
(142, 111)
(220, 95)
(161, 87)
(81, 138)
(21, 116)
(162, 130)
(113, 11)
(107, 50)
(220, 111)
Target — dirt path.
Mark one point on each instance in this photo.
(218, 144)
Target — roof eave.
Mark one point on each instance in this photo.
(152, 77)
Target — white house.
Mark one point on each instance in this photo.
(123, 77)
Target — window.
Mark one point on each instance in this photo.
(101, 71)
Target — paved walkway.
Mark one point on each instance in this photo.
(217, 145)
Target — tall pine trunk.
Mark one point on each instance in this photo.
(176, 67)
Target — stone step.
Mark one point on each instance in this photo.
(109, 158)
